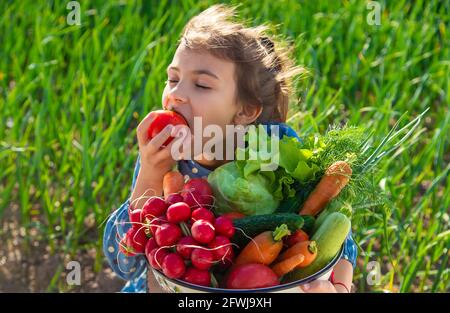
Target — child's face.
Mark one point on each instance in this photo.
(192, 92)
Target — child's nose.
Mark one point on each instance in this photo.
(176, 98)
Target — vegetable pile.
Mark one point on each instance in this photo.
(182, 236)
(247, 228)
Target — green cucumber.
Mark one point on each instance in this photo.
(308, 223)
(329, 239)
(256, 224)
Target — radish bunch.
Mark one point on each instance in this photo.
(180, 235)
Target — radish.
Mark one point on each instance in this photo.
(202, 259)
(224, 226)
(174, 198)
(154, 207)
(202, 231)
(197, 192)
(224, 252)
(167, 234)
(178, 212)
(156, 257)
(173, 265)
(134, 241)
(136, 218)
(197, 277)
(151, 244)
(184, 251)
(124, 248)
(202, 214)
(155, 223)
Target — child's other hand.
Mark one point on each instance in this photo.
(321, 286)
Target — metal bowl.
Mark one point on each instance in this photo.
(179, 286)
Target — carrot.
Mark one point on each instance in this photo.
(335, 178)
(285, 266)
(173, 182)
(306, 248)
(264, 248)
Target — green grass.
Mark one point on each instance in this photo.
(71, 97)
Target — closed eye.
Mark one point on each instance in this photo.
(203, 87)
(171, 81)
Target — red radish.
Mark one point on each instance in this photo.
(124, 248)
(134, 241)
(226, 263)
(193, 199)
(174, 198)
(184, 251)
(178, 212)
(202, 259)
(233, 215)
(155, 223)
(202, 214)
(136, 218)
(154, 207)
(221, 248)
(161, 120)
(151, 244)
(156, 257)
(202, 231)
(197, 192)
(173, 265)
(251, 276)
(167, 234)
(197, 277)
(224, 226)
(296, 237)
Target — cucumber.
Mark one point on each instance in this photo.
(308, 223)
(329, 238)
(256, 224)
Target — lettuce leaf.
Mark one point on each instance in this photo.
(251, 186)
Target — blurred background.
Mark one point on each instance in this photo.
(74, 87)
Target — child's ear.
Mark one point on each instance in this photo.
(247, 114)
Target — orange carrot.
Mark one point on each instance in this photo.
(335, 178)
(285, 266)
(306, 248)
(173, 182)
(264, 248)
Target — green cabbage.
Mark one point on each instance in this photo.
(251, 195)
(246, 186)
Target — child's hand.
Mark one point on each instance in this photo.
(322, 286)
(155, 160)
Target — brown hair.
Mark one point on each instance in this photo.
(264, 70)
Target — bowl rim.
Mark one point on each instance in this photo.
(305, 280)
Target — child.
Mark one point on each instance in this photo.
(226, 74)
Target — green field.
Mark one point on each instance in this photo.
(72, 96)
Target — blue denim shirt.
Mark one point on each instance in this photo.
(133, 269)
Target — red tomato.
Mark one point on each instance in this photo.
(296, 237)
(162, 119)
(251, 276)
